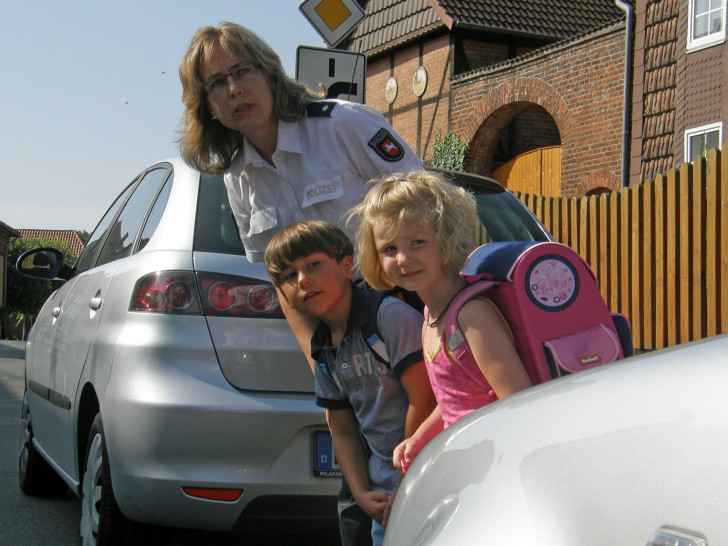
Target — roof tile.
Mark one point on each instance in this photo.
(391, 22)
(68, 236)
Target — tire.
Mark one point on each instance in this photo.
(35, 476)
(102, 523)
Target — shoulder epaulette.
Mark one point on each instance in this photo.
(320, 108)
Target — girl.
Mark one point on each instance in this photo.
(416, 231)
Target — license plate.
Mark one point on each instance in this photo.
(325, 464)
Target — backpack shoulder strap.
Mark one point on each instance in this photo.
(454, 338)
(370, 327)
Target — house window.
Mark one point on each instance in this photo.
(698, 140)
(706, 25)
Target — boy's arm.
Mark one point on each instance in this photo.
(353, 462)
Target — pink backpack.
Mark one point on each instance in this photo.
(549, 296)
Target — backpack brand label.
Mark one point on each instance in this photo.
(589, 359)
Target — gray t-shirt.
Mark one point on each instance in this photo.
(351, 376)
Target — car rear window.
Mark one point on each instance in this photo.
(503, 217)
(215, 229)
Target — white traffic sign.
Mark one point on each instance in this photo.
(332, 19)
(342, 72)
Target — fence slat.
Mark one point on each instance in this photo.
(584, 231)
(647, 280)
(614, 258)
(635, 270)
(711, 243)
(685, 254)
(556, 220)
(603, 253)
(574, 223)
(672, 267)
(697, 281)
(624, 240)
(659, 266)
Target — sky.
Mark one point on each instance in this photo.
(90, 95)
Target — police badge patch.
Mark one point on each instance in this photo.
(386, 146)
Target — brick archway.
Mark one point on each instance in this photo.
(599, 179)
(500, 106)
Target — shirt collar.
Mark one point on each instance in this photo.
(288, 141)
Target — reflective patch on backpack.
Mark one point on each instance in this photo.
(455, 339)
(377, 345)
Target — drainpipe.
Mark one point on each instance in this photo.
(628, 64)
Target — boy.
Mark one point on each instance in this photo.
(312, 265)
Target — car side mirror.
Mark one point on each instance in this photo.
(44, 263)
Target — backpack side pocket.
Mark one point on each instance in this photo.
(582, 350)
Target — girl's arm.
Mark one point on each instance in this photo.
(409, 449)
(422, 401)
(492, 345)
(353, 462)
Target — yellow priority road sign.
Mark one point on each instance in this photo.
(332, 19)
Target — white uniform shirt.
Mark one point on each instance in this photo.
(322, 165)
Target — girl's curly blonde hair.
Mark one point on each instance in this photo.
(422, 197)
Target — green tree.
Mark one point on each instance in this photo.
(25, 296)
(449, 152)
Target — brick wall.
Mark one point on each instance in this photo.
(701, 86)
(568, 94)
(579, 85)
(416, 119)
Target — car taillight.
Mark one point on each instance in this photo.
(228, 295)
(166, 292)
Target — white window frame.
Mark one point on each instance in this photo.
(709, 40)
(689, 133)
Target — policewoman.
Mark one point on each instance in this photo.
(286, 155)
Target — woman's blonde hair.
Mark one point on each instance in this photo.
(205, 143)
(426, 198)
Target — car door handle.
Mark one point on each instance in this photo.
(94, 303)
(56, 311)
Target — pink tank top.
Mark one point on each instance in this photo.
(460, 387)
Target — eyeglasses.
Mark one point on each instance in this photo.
(219, 84)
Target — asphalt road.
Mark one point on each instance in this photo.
(24, 520)
(29, 521)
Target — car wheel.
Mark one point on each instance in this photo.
(102, 522)
(36, 476)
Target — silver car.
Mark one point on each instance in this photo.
(628, 453)
(164, 386)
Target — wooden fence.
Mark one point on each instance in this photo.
(659, 249)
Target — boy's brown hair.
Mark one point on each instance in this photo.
(303, 239)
